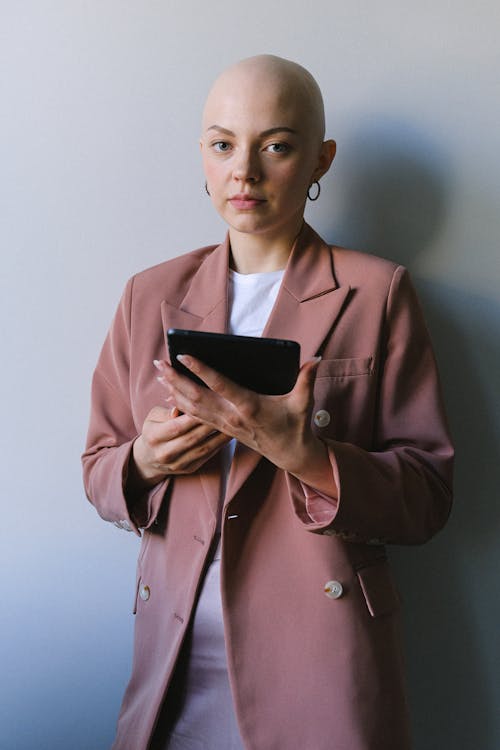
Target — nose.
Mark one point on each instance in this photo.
(246, 166)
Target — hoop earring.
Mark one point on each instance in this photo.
(317, 194)
(206, 188)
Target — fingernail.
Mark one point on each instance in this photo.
(158, 364)
(184, 359)
(316, 360)
(161, 379)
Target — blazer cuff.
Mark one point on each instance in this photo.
(143, 508)
(107, 481)
(320, 508)
(315, 509)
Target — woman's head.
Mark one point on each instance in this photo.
(262, 144)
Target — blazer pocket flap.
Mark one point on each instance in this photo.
(345, 368)
(379, 589)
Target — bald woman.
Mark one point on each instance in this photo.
(266, 612)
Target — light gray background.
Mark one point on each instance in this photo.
(100, 177)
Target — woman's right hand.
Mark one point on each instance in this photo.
(172, 443)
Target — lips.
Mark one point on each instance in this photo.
(242, 201)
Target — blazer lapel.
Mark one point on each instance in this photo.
(204, 307)
(306, 309)
(310, 299)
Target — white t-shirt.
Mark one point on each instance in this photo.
(251, 299)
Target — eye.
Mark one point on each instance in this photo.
(278, 148)
(221, 146)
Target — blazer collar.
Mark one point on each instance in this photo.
(309, 275)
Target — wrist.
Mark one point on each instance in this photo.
(141, 476)
(314, 468)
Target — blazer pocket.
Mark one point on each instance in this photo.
(378, 587)
(347, 367)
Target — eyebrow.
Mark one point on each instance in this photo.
(270, 131)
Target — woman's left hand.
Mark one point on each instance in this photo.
(277, 427)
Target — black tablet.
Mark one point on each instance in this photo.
(263, 365)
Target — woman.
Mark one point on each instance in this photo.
(266, 614)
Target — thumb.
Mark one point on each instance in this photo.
(306, 377)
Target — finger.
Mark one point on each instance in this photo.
(160, 364)
(163, 414)
(181, 428)
(191, 440)
(182, 456)
(199, 402)
(217, 383)
(203, 451)
(159, 414)
(172, 379)
(168, 374)
(198, 463)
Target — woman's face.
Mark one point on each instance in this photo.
(260, 155)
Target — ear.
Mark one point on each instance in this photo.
(325, 158)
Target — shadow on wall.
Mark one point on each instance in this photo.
(393, 204)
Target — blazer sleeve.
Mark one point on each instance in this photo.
(112, 432)
(400, 492)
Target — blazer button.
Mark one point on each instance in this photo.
(322, 418)
(144, 592)
(334, 589)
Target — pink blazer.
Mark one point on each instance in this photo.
(308, 670)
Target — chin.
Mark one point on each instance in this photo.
(249, 226)
(244, 222)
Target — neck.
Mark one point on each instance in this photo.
(251, 253)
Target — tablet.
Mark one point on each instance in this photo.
(263, 365)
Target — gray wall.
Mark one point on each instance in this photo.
(100, 177)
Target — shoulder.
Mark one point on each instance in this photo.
(362, 269)
(170, 278)
(181, 264)
(375, 282)
(356, 268)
